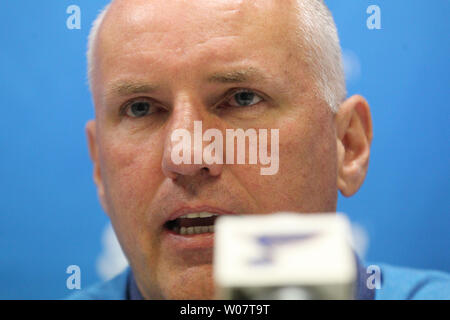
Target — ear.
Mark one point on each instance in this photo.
(91, 134)
(353, 136)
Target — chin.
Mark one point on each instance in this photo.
(193, 284)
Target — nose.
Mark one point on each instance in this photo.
(184, 144)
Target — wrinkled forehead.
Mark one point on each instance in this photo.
(181, 25)
(194, 17)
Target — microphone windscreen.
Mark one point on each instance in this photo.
(284, 256)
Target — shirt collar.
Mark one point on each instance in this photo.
(133, 292)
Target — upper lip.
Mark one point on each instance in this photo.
(184, 210)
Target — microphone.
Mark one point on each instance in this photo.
(284, 256)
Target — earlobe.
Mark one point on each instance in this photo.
(341, 184)
(353, 137)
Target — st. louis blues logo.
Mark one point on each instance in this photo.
(271, 242)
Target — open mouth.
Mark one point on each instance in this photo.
(192, 223)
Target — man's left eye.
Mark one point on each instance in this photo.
(244, 98)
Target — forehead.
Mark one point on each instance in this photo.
(199, 17)
(138, 32)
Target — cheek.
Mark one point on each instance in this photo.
(131, 171)
(310, 159)
(306, 179)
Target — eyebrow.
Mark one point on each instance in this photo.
(236, 76)
(126, 88)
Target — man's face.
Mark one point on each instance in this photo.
(160, 66)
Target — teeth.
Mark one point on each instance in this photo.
(206, 214)
(199, 215)
(194, 230)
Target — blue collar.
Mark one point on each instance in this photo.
(133, 292)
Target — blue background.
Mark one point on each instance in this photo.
(49, 214)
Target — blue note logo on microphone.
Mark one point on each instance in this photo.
(271, 243)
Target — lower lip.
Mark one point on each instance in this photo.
(188, 241)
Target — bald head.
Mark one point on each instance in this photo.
(311, 22)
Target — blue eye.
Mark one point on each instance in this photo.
(139, 109)
(244, 98)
